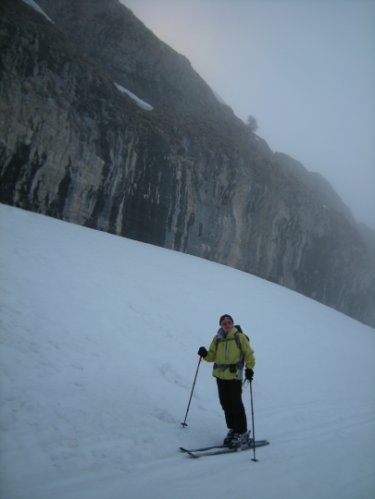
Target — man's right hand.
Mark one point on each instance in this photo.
(202, 352)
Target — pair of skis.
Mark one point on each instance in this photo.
(217, 450)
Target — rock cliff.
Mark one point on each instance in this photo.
(76, 144)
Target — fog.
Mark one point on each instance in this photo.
(304, 69)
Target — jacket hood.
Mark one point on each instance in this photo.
(222, 334)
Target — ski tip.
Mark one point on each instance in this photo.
(187, 451)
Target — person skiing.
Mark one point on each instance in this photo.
(230, 350)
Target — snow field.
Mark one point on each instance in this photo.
(98, 345)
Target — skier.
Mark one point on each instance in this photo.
(230, 350)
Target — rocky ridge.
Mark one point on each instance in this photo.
(187, 175)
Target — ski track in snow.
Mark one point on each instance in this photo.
(98, 345)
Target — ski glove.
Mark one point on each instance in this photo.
(249, 374)
(202, 352)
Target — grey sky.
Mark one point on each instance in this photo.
(304, 68)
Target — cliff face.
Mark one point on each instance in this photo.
(187, 175)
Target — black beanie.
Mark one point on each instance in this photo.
(226, 316)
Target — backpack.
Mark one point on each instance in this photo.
(239, 329)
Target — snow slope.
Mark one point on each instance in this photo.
(140, 103)
(36, 7)
(99, 336)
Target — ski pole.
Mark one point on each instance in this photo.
(191, 394)
(252, 419)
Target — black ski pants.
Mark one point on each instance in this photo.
(230, 396)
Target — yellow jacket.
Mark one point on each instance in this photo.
(230, 353)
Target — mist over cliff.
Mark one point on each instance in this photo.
(104, 125)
